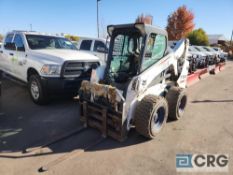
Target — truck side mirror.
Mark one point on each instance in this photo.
(101, 49)
(10, 46)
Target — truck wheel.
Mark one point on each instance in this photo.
(177, 100)
(206, 62)
(191, 66)
(194, 67)
(36, 91)
(151, 115)
(0, 83)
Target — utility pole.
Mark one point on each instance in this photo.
(98, 18)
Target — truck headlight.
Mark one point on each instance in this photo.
(51, 69)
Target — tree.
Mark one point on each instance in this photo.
(180, 23)
(1, 38)
(148, 19)
(198, 37)
(72, 37)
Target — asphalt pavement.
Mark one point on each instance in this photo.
(206, 128)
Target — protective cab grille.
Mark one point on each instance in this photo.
(77, 69)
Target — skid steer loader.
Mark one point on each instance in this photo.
(141, 85)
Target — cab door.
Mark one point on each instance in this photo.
(6, 54)
(100, 50)
(19, 58)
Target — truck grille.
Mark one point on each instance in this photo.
(77, 69)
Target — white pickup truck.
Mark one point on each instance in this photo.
(48, 64)
(95, 46)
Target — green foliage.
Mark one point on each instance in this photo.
(72, 37)
(198, 37)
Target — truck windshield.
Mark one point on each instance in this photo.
(49, 42)
(208, 49)
(192, 49)
(216, 49)
(200, 49)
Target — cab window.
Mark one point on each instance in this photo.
(126, 53)
(8, 40)
(86, 45)
(155, 50)
(99, 47)
(19, 43)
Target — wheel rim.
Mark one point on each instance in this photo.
(35, 90)
(158, 120)
(182, 105)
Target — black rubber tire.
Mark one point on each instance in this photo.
(194, 67)
(43, 98)
(190, 69)
(144, 115)
(0, 83)
(176, 97)
(206, 63)
(1, 72)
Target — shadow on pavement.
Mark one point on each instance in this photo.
(24, 124)
(212, 101)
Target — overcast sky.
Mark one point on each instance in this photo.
(79, 17)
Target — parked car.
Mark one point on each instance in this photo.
(216, 53)
(196, 58)
(192, 63)
(48, 64)
(223, 55)
(96, 46)
(210, 56)
(200, 58)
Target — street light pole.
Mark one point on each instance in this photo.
(98, 18)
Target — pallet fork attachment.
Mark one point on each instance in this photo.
(107, 121)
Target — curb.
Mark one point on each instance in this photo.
(202, 73)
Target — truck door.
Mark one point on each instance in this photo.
(19, 58)
(100, 50)
(6, 54)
